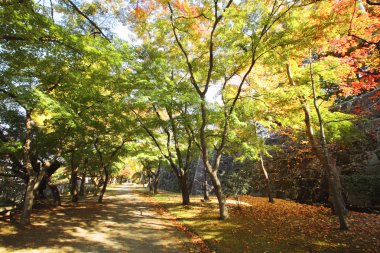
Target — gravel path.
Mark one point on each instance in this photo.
(124, 223)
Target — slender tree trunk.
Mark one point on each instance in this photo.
(334, 177)
(106, 175)
(150, 182)
(223, 209)
(73, 178)
(97, 185)
(269, 191)
(205, 187)
(29, 193)
(155, 185)
(212, 170)
(310, 134)
(82, 183)
(142, 179)
(156, 178)
(74, 185)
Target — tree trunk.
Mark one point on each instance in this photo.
(97, 185)
(150, 183)
(142, 178)
(223, 209)
(335, 190)
(334, 177)
(30, 193)
(269, 191)
(184, 189)
(73, 179)
(205, 187)
(28, 201)
(74, 185)
(55, 194)
(82, 182)
(105, 182)
(155, 185)
(156, 177)
(325, 160)
(212, 170)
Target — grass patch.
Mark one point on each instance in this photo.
(285, 226)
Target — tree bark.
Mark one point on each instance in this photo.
(184, 190)
(155, 185)
(105, 182)
(268, 186)
(156, 177)
(74, 186)
(212, 170)
(28, 202)
(81, 188)
(150, 182)
(205, 187)
(223, 210)
(29, 193)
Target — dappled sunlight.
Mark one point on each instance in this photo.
(115, 226)
(44, 249)
(6, 229)
(329, 244)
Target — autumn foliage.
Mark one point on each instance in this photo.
(359, 46)
(285, 226)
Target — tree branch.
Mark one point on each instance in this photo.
(189, 65)
(89, 20)
(372, 3)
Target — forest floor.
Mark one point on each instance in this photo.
(128, 221)
(285, 226)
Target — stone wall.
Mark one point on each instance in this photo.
(300, 176)
(226, 165)
(362, 185)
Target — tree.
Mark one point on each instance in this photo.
(164, 110)
(220, 44)
(50, 90)
(28, 86)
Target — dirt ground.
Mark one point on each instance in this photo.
(126, 222)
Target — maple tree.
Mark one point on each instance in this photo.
(164, 107)
(358, 46)
(48, 85)
(219, 44)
